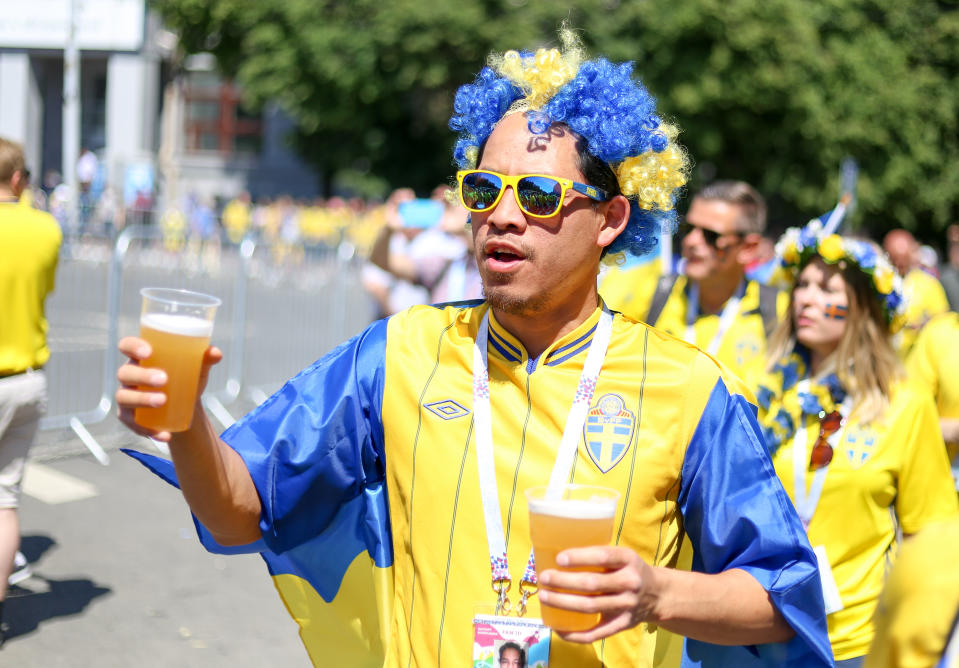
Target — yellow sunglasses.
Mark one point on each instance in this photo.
(538, 195)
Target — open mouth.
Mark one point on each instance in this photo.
(503, 258)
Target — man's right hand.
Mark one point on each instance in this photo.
(136, 381)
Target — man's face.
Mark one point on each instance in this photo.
(510, 658)
(531, 265)
(713, 244)
(903, 253)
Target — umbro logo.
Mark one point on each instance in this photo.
(446, 409)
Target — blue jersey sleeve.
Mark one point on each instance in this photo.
(315, 453)
(737, 515)
(317, 444)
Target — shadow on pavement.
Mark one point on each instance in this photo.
(26, 608)
(34, 547)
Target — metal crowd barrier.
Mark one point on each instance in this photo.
(284, 306)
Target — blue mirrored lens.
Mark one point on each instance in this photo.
(480, 190)
(540, 195)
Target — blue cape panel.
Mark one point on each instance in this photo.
(738, 515)
(315, 453)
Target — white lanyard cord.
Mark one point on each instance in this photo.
(806, 503)
(495, 535)
(726, 316)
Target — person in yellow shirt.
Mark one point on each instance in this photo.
(713, 305)
(856, 445)
(29, 247)
(924, 295)
(917, 621)
(173, 227)
(934, 361)
(236, 216)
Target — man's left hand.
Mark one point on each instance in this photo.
(625, 592)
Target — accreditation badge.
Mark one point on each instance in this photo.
(499, 640)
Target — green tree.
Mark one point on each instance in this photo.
(370, 84)
(779, 92)
(776, 93)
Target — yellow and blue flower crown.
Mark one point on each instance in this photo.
(798, 245)
(600, 101)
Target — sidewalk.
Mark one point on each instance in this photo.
(120, 579)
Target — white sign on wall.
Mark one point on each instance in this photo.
(107, 25)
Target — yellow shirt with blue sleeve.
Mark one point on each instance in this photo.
(29, 248)
(881, 475)
(919, 607)
(372, 519)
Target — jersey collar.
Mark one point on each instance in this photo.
(505, 346)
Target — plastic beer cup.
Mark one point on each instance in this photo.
(572, 516)
(178, 325)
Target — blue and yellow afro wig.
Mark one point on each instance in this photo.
(602, 103)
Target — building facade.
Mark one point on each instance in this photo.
(176, 130)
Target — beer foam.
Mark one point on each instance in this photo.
(175, 323)
(575, 509)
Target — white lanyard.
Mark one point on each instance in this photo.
(495, 536)
(726, 316)
(806, 503)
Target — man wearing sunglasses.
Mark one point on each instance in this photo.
(384, 485)
(714, 305)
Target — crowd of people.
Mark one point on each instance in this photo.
(295, 224)
(291, 226)
(777, 418)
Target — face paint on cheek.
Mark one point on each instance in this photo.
(835, 311)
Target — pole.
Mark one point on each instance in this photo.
(71, 115)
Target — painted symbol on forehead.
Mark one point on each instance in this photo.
(835, 311)
(540, 142)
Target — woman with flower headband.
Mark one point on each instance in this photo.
(857, 446)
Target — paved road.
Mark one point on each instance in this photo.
(120, 578)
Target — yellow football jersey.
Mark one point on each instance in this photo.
(925, 298)
(372, 517)
(742, 347)
(934, 361)
(920, 602)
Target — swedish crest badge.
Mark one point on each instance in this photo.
(608, 431)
